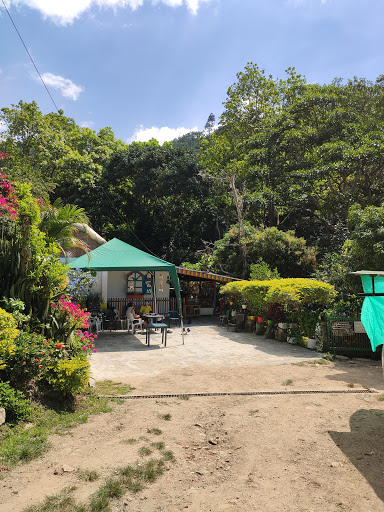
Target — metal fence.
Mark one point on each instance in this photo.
(346, 336)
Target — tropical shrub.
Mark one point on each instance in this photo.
(68, 376)
(16, 406)
(8, 333)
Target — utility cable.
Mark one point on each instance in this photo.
(122, 218)
(30, 56)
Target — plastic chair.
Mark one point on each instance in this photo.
(134, 322)
(173, 316)
(95, 322)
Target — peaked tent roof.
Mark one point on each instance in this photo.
(117, 255)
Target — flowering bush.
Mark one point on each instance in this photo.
(35, 358)
(66, 317)
(8, 199)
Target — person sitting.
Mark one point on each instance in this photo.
(146, 309)
(133, 318)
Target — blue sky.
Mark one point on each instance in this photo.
(160, 67)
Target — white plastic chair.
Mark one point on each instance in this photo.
(96, 323)
(134, 322)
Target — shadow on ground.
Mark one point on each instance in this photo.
(364, 446)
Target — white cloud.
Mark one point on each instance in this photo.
(87, 124)
(66, 11)
(160, 134)
(67, 88)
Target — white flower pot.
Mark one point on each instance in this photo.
(311, 344)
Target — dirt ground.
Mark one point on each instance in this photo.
(272, 452)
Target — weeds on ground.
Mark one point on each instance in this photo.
(288, 382)
(130, 478)
(109, 387)
(165, 417)
(61, 502)
(380, 398)
(144, 451)
(155, 431)
(253, 412)
(27, 441)
(184, 397)
(131, 440)
(351, 385)
(87, 475)
(160, 445)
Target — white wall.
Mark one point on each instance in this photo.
(117, 284)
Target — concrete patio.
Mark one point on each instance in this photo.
(121, 355)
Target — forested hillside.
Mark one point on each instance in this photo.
(292, 177)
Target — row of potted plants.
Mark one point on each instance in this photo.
(289, 308)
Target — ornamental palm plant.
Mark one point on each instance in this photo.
(58, 223)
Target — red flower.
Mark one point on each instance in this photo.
(59, 345)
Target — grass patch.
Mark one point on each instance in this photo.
(131, 440)
(253, 412)
(130, 478)
(155, 431)
(145, 451)
(144, 438)
(61, 502)
(28, 441)
(351, 385)
(288, 382)
(380, 398)
(184, 397)
(88, 475)
(109, 387)
(159, 446)
(165, 417)
(168, 455)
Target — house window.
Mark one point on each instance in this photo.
(139, 283)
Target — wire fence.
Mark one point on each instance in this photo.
(346, 336)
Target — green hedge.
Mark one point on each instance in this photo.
(293, 295)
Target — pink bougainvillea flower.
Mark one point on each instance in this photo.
(36, 360)
(84, 348)
(24, 362)
(94, 350)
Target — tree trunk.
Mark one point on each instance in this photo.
(239, 203)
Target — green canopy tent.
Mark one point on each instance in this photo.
(119, 256)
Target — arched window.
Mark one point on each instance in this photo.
(139, 283)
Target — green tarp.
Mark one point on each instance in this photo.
(117, 255)
(372, 312)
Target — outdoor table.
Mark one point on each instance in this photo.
(162, 327)
(153, 316)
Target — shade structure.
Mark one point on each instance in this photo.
(118, 255)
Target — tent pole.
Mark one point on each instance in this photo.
(154, 289)
(182, 328)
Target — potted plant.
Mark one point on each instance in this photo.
(308, 320)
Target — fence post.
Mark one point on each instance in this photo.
(324, 333)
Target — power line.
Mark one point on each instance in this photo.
(30, 56)
(124, 220)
